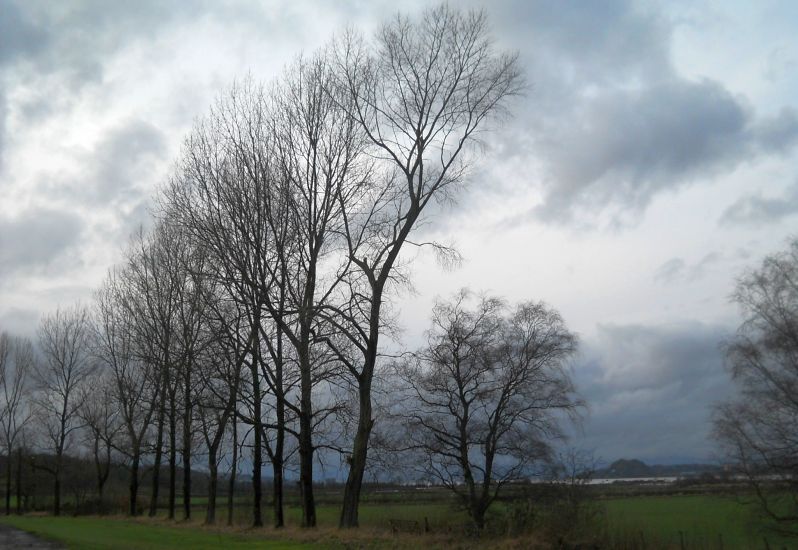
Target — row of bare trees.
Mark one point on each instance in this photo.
(251, 317)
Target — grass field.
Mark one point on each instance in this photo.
(91, 533)
(702, 521)
(695, 521)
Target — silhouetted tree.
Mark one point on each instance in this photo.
(486, 395)
(65, 343)
(421, 92)
(758, 429)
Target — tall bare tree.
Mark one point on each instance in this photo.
(221, 196)
(221, 369)
(421, 92)
(65, 343)
(486, 395)
(151, 277)
(136, 381)
(100, 415)
(16, 363)
(757, 429)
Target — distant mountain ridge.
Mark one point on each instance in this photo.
(632, 468)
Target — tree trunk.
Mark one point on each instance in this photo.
(156, 467)
(306, 471)
(234, 467)
(210, 514)
(277, 465)
(172, 454)
(357, 462)
(134, 485)
(19, 481)
(57, 494)
(8, 483)
(187, 444)
(98, 469)
(305, 429)
(257, 459)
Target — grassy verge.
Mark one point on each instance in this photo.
(105, 533)
(91, 533)
(699, 521)
(691, 521)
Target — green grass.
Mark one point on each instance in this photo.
(378, 515)
(703, 521)
(700, 521)
(91, 533)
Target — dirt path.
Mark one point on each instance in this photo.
(15, 538)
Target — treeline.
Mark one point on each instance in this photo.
(251, 316)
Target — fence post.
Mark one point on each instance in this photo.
(720, 541)
(681, 540)
(767, 546)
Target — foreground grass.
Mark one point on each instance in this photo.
(703, 521)
(675, 521)
(91, 533)
(104, 533)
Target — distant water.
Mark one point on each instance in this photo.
(609, 480)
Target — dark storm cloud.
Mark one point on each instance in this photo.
(760, 210)
(37, 241)
(610, 120)
(651, 389)
(628, 146)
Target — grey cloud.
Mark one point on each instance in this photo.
(778, 133)
(37, 240)
(127, 153)
(759, 210)
(650, 390)
(77, 38)
(595, 41)
(609, 120)
(704, 264)
(19, 36)
(677, 269)
(670, 270)
(19, 321)
(628, 146)
(118, 170)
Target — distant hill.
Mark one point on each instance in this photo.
(637, 468)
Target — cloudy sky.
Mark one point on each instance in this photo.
(652, 159)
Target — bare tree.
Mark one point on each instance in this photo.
(421, 93)
(64, 340)
(136, 382)
(16, 362)
(220, 372)
(757, 429)
(486, 395)
(221, 197)
(100, 414)
(151, 277)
